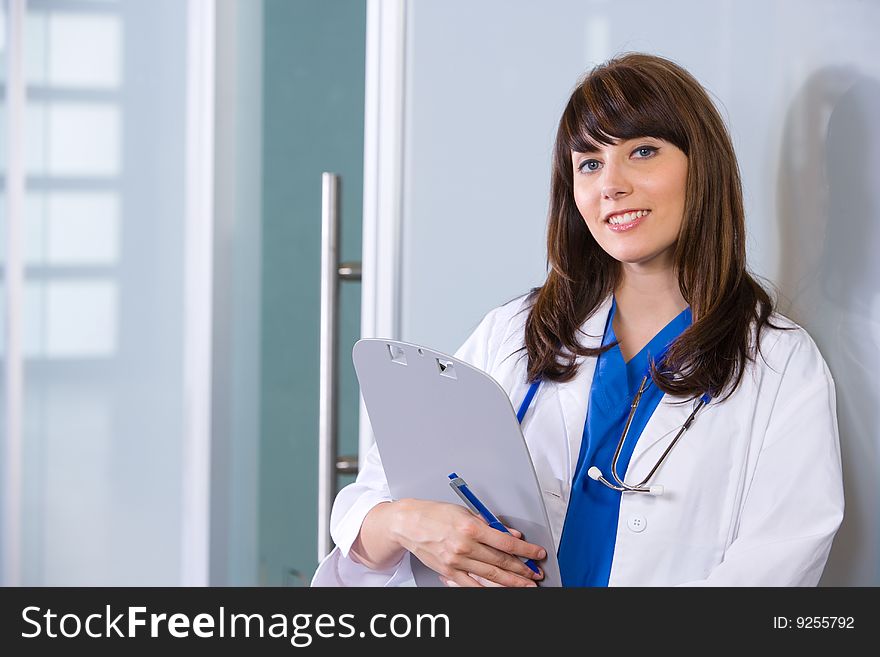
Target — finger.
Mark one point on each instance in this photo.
(484, 582)
(510, 563)
(447, 582)
(464, 580)
(477, 547)
(504, 561)
(540, 574)
(498, 575)
(511, 544)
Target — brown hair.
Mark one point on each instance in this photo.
(638, 95)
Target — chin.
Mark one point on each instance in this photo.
(632, 256)
(639, 254)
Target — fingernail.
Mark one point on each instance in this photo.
(542, 554)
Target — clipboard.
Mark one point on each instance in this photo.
(432, 415)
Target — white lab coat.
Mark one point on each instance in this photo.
(753, 490)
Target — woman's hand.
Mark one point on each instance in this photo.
(480, 580)
(462, 548)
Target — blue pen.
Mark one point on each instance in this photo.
(472, 502)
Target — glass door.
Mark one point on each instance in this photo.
(290, 106)
(314, 122)
(168, 308)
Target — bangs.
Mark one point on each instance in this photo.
(616, 104)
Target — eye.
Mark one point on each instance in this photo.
(645, 151)
(588, 166)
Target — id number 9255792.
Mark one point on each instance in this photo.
(814, 622)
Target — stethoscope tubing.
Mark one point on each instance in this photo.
(594, 471)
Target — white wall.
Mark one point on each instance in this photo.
(798, 83)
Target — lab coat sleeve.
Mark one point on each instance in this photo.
(794, 503)
(341, 567)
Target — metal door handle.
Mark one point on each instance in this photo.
(329, 465)
(347, 464)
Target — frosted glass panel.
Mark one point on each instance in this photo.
(2, 44)
(73, 50)
(81, 319)
(798, 83)
(103, 318)
(85, 50)
(73, 139)
(73, 228)
(3, 172)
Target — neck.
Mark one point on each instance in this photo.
(648, 296)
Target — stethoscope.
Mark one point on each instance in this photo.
(595, 473)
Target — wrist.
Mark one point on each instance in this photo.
(398, 513)
(378, 545)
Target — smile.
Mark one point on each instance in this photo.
(626, 220)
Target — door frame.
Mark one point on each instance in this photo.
(384, 129)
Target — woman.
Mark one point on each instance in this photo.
(648, 298)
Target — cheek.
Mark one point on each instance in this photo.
(678, 202)
(671, 195)
(583, 203)
(676, 188)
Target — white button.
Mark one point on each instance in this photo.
(637, 523)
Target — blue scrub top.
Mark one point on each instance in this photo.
(586, 548)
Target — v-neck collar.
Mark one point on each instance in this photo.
(574, 395)
(638, 366)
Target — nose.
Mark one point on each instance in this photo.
(615, 183)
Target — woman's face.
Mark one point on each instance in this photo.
(631, 196)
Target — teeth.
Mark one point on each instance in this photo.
(627, 217)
